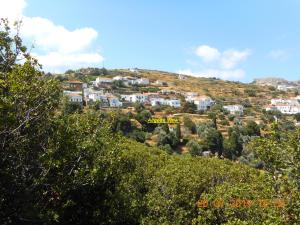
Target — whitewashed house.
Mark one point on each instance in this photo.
(74, 96)
(141, 98)
(202, 102)
(159, 83)
(234, 109)
(295, 109)
(285, 106)
(182, 77)
(166, 91)
(88, 91)
(157, 101)
(283, 87)
(291, 106)
(134, 70)
(119, 78)
(143, 81)
(291, 101)
(102, 80)
(139, 81)
(189, 95)
(161, 101)
(114, 101)
(276, 101)
(174, 103)
(270, 108)
(97, 96)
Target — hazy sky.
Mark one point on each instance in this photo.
(231, 39)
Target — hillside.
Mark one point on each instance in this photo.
(274, 81)
(231, 92)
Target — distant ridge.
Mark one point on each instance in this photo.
(274, 81)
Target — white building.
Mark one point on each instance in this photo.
(118, 78)
(288, 106)
(202, 102)
(189, 95)
(159, 83)
(157, 101)
(114, 101)
(291, 101)
(161, 101)
(134, 70)
(174, 103)
(74, 96)
(140, 81)
(284, 87)
(141, 98)
(166, 91)
(234, 109)
(88, 91)
(102, 80)
(182, 77)
(97, 96)
(285, 106)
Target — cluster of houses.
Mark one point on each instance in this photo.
(155, 99)
(125, 80)
(285, 106)
(79, 92)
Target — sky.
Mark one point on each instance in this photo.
(230, 39)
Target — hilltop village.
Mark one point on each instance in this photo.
(139, 97)
(119, 92)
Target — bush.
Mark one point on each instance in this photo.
(167, 148)
(250, 92)
(188, 123)
(231, 117)
(138, 135)
(194, 148)
(252, 128)
(225, 122)
(297, 117)
(188, 107)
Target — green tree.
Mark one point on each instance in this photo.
(250, 92)
(252, 129)
(69, 72)
(138, 135)
(178, 131)
(213, 117)
(68, 107)
(214, 140)
(188, 123)
(165, 127)
(194, 148)
(297, 117)
(188, 107)
(27, 103)
(280, 155)
(233, 146)
(122, 123)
